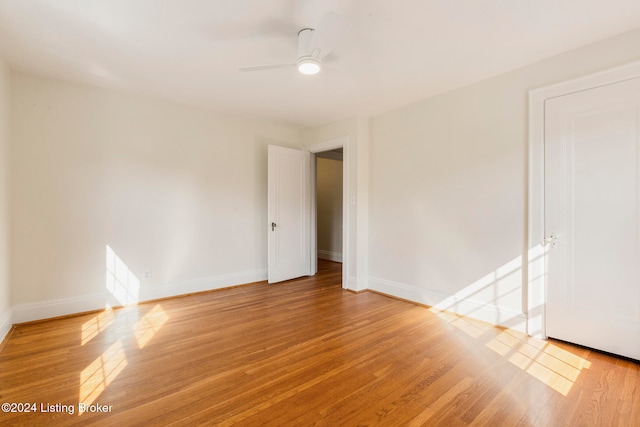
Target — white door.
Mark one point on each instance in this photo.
(289, 207)
(592, 200)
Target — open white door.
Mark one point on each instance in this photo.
(289, 209)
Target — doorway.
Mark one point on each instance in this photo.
(336, 145)
(329, 204)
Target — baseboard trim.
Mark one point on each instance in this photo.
(6, 323)
(154, 292)
(352, 283)
(48, 309)
(487, 312)
(329, 255)
(30, 312)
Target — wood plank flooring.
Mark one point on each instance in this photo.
(305, 352)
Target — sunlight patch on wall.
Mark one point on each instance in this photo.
(553, 366)
(500, 287)
(121, 282)
(99, 323)
(96, 377)
(536, 290)
(150, 323)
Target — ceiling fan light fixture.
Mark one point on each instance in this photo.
(308, 66)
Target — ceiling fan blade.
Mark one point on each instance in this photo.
(331, 29)
(266, 67)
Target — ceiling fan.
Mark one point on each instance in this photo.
(313, 45)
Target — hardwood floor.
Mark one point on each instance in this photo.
(305, 352)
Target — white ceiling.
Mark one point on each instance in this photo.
(397, 52)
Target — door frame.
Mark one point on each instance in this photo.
(534, 271)
(331, 144)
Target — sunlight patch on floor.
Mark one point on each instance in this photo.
(555, 367)
(96, 377)
(149, 324)
(471, 327)
(550, 364)
(99, 323)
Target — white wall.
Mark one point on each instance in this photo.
(329, 207)
(448, 189)
(5, 284)
(172, 189)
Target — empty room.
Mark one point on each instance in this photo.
(304, 212)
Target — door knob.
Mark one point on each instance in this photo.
(551, 239)
(273, 226)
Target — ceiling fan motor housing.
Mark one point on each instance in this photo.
(304, 41)
(306, 62)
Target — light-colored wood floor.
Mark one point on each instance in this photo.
(306, 352)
